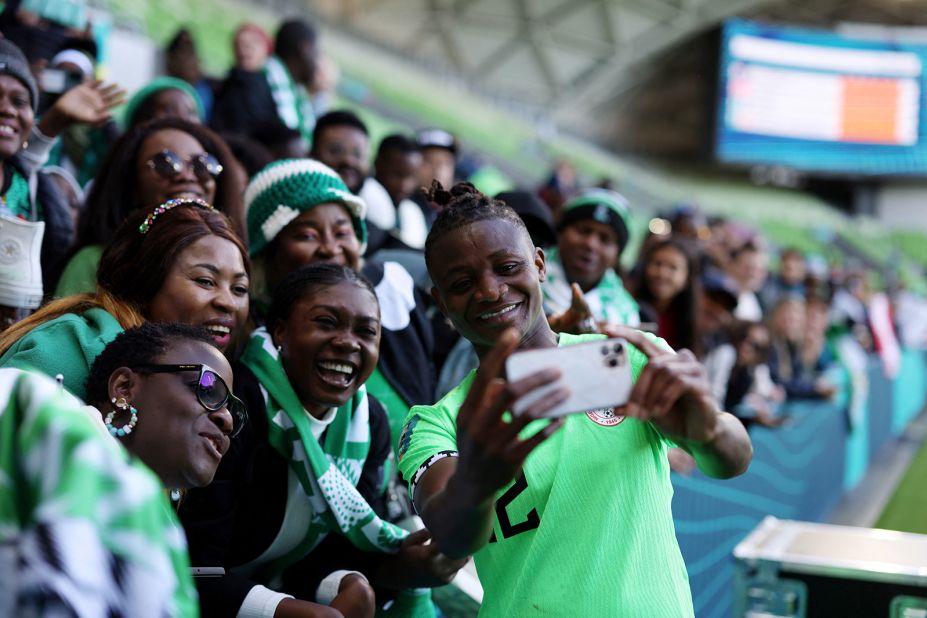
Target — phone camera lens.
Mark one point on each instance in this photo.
(613, 362)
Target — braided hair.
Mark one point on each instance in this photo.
(464, 205)
(306, 280)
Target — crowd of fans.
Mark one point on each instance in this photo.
(345, 288)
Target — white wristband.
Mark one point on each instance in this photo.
(261, 602)
(328, 587)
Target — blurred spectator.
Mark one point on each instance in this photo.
(251, 46)
(278, 91)
(396, 169)
(791, 278)
(740, 378)
(815, 348)
(800, 375)
(252, 154)
(36, 219)
(324, 83)
(439, 157)
(163, 97)
(535, 214)
(562, 185)
(719, 300)
(593, 230)
(749, 269)
(182, 62)
(848, 309)
(668, 289)
(911, 316)
(439, 163)
(82, 145)
(40, 28)
(397, 165)
(341, 141)
(717, 248)
(282, 141)
(687, 221)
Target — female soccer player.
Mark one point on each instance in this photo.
(570, 517)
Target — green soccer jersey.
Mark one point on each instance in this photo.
(586, 529)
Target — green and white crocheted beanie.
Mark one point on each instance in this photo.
(285, 189)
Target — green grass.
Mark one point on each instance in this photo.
(907, 509)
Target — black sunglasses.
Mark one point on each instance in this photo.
(211, 391)
(169, 165)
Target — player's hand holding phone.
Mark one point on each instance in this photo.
(672, 392)
(490, 449)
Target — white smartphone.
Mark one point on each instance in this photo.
(598, 374)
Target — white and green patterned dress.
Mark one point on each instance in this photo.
(84, 529)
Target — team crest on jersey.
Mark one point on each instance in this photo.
(605, 417)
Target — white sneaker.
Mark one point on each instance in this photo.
(20, 262)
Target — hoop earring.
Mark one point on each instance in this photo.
(122, 405)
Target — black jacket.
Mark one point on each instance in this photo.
(234, 520)
(243, 103)
(405, 353)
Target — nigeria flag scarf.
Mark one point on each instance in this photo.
(85, 530)
(328, 472)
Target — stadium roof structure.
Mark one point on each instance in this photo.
(636, 75)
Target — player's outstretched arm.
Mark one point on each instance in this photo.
(455, 496)
(673, 393)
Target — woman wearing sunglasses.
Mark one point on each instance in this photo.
(162, 391)
(87, 529)
(281, 518)
(165, 159)
(179, 262)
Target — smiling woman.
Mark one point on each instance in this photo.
(300, 212)
(35, 217)
(505, 488)
(278, 496)
(167, 394)
(204, 281)
(164, 159)
(72, 558)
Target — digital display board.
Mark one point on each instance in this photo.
(821, 102)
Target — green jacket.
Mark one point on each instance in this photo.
(67, 345)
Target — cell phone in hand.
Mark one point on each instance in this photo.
(57, 81)
(597, 373)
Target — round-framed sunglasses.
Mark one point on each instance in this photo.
(169, 164)
(211, 391)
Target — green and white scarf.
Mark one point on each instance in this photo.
(328, 473)
(15, 202)
(609, 301)
(294, 107)
(84, 529)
